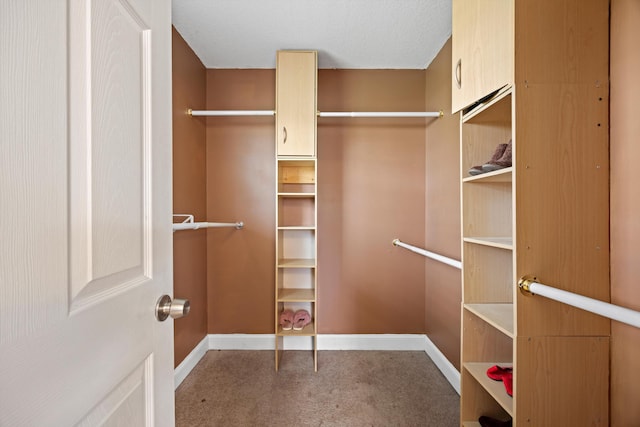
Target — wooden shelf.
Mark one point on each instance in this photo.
(494, 107)
(500, 316)
(501, 175)
(307, 331)
(495, 242)
(297, 195)
(471, 424)
(296, 263)
(297, 227)
(296, 295)
(494, 388)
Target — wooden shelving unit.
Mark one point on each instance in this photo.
(296, 248)
(546, 215)
(296, 196)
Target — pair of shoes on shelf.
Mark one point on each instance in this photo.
(492, 422)
(501, 159)
(296, 321)
(504, 374)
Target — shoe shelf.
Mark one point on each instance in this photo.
(296, 263)
(296, 249)
(492, 110)
(500, 175)
(488, 251)
(308, 331)
(496, 242)
(495, 389)
(499, 316)
(296, 295)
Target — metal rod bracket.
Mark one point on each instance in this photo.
(524, 284)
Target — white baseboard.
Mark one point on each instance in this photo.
(241, 342)
(448, 370)
(387, 342)
(190, 362)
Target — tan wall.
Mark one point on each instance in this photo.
(442, 211)
(625, 208)
(370, 191)
(241, 187)
(189, 195)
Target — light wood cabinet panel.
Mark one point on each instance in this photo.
(545, 215)
(296, 105)
(482, 49)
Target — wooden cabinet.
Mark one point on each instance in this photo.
(296, 111)
(482, 49)
(546, 216)
(296, 249)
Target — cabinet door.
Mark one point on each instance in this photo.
(296, 103)
(482, 49)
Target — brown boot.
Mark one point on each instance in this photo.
(503, 162)
(497, 154)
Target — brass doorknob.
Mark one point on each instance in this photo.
(175, 309)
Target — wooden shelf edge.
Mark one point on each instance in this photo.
(297, 227)
(500, 175)
(495, 242)
(297, 195)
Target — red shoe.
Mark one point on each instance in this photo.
(507, 379)
(496, 372)
(504, 374)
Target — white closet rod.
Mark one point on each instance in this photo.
(381, 114)
(229, 113)
(197, 225)
(529, 286)
(189, 224)
(423, 252)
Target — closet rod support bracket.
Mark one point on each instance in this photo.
(524, 284)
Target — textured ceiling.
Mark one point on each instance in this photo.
(370, 34)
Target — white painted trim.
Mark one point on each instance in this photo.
(448, 370)
(190, 362)
(241, 342)
(387, 342)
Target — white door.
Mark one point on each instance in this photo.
(85, 214)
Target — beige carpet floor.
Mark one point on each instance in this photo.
(351, 388)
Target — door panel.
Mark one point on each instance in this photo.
(111, 154)
(85, 186)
